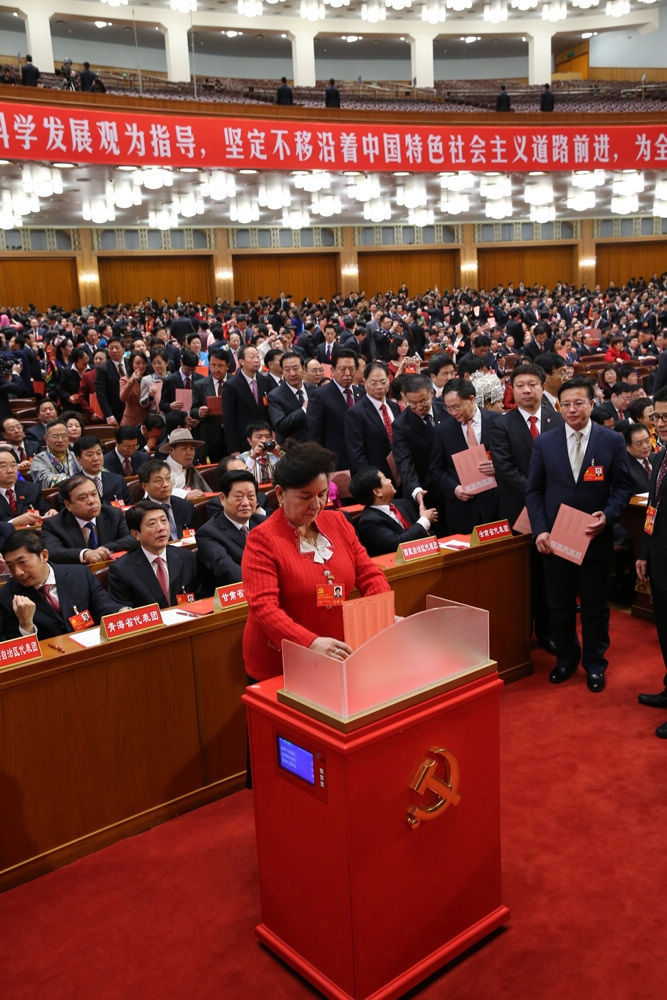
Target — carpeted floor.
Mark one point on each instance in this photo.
(170, 914)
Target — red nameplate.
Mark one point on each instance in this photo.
(120, 504)
(594, 474)
(81, 621)
(490, 532)
(189, 533)
(25, 649)
(407, 551)
(229, 596)
(130, 622)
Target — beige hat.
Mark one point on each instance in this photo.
(181, 435)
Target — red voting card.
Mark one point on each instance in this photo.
(568, 535)
(466, 464)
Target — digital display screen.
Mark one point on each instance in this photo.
(296, 760)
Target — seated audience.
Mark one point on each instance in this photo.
(22, 504)
(152, 433)
(384, 522)
(261, 458)
(221, 540)
(41, 597)
(46, 412)
(90, 457)
(155, 477)
(87, 530)
(56, 462)
(14, 434)
(155, 572)
(638, 443)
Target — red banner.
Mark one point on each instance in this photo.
(82, 135)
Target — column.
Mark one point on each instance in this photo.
(38, 35)
(87, 271)
(223, 267)
(176, 47)
(348, 263)
(303, 57)
(539, 54)
(421, 58)
(586, 262)
(468, 256)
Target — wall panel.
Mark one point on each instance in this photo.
(619, 261)
(43, 281)
(380, 271)
(130, 278)
(541, 265)
(297, 274)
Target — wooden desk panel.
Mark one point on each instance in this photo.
(99, 744)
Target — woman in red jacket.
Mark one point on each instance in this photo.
(300, 548)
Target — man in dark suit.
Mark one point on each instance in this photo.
(155, 477)
(585, 466)
(413, 432)
(661, 372)
(652, 564)
(29, 73)
(326, 352)
(210, 425)
(41, 597)
(328, 406)
(638, 443)
(86, 530)
(244, 398)
(22, 504)
(289, 402)
(461, 511)
(46, 412)
(385, 522)
(538, 343)
(512, 440)
(284, 92)
(90, 456)
(23, 449)
(155, 572)
(107, 382)
(125, 459)
(184, 378)
(221, 540)
(332, 95)
(547, 98)
(368, 425)
(502, 99)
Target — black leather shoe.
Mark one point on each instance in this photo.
(596, 682)
(653, 700)
(661, 731)
(547, 643)
(560, 674)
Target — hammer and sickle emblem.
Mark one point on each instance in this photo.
(445, 790)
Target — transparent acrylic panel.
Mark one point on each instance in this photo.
(442, 644)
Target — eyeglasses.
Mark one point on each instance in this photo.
(454, 409)
(577, 404)
(660, 416)
(416, 404)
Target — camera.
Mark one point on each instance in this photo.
(269, 445)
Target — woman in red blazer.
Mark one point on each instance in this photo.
(299, 548)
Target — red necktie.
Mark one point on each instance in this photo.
(22, 454)
(127, 467)
(532, 420)
(11, 500)
(46, 590)
(385, 419)
(399, 517)
(349, 398)
(161, 575)
(186, 382)
(253, 388)
(647, 466)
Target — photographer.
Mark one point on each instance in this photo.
(11, 384)
(69, 75)
(263, 454)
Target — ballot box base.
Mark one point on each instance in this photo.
(357, 899)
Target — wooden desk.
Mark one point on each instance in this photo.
(96, 745)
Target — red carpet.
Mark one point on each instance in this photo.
(170, 914)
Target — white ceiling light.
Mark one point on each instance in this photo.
(364, 188)
(659, 205)
(244, 211)
(154, 178)
(312, 10)
(463, 181)
(335, 4)
(628, 183)
(524, 4)
(326, 205)
(412, 194)
(587, 179)
(317, 180)
(398, 4)
(116, 3)
(217, 185)
(540, 193)
(585, 4)
(296, 220)
(495, 186)
(249, 8)
(624, 204)
(183, 6)
(164, 218)
(373, 12)
(660, 189)
(495, 12)
(617, 8)
(499, 208)
(555, 11)
(421, 217)
(454, 204)
(459, 5)
(377, 210)
(580, 200)
(542, 213)
(274, 194)
(434, 12)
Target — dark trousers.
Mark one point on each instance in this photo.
(539, 606)
(566, 580)
(659, 596)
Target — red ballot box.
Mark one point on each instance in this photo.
(378, 836)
